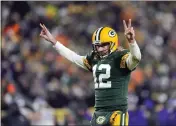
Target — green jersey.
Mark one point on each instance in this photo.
(111, 77)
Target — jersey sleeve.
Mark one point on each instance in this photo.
(123, 58)
(70, 55)
(134, 56)
(88, 61)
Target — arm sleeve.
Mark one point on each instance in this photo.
(134, 56)
(70, 55)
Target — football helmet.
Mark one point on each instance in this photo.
(105, 35)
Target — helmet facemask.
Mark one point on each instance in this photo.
(104, 52)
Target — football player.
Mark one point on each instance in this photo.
(111, 68)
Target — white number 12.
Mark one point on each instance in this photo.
(106, 75)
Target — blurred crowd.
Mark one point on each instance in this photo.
(39, 87)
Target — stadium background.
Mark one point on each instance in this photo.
(40, 87)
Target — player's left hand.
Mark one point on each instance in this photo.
(129, 31)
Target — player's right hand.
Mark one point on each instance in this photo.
(47, 35)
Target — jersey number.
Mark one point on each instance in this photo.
(99, 80)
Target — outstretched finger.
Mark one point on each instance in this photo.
(41, 26)
(45, 27)
(129, 23)
(124, 24)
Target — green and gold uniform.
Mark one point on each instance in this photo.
(111, 77)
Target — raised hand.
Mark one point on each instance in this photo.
(47, 35)
(129, 31)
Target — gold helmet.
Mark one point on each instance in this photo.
(105, 35)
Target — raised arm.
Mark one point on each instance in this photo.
(70, 55)
(135, 54)
(62, 50)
